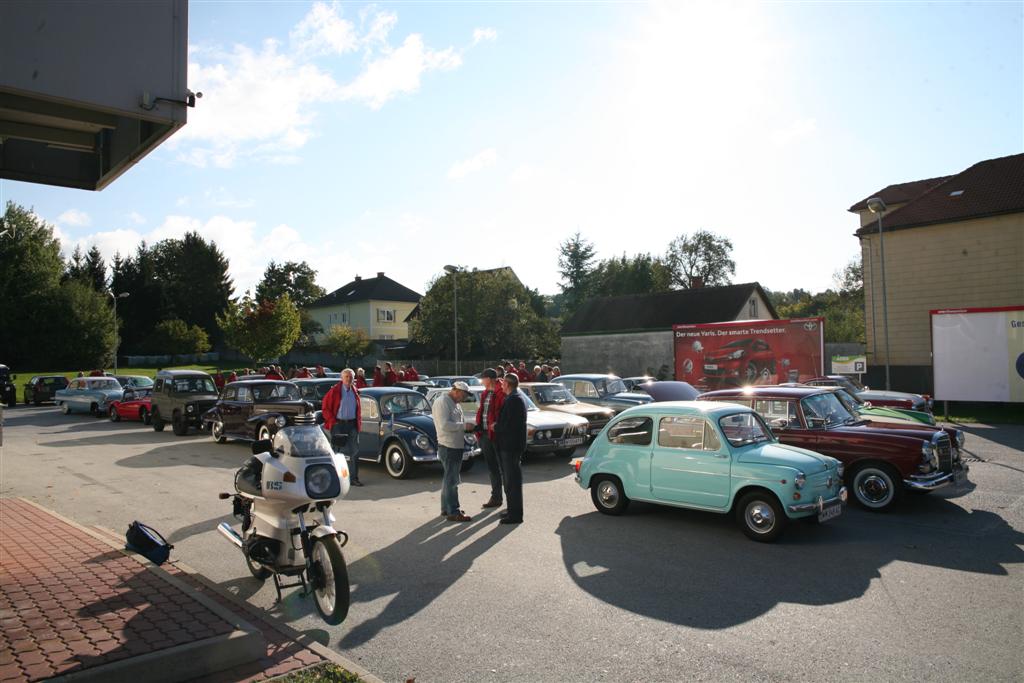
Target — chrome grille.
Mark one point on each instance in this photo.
(944, 449)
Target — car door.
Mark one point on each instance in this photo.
(369, 435)
(228, 409)
(689, 463)
(244, 406)
(630, 449)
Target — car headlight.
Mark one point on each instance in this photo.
(471, 439)
(735, 355)
(422, 442)
(322, 482)
(800, 479)
(190, 408)
(840, 468)
(280, 421)
(960, 438)
(927, 450)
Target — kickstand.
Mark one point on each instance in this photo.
(278, 585)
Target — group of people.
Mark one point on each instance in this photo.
(501, 430)
(540, 373)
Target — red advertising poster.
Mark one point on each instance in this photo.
(715, 355)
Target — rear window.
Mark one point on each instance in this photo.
(632, 431)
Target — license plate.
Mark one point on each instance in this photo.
(959, 477)
(710, 366)
(830, 512)
(572, 442)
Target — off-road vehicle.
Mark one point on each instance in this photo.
(181, 397)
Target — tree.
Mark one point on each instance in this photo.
(639, 274)
(194, 274)
(86, 327)
(575, 262)
(95, 274)
(347, 342)
(176, 338)
(147, 304)
(262, 331)
(702, 258)
(843, 310)
(297, 280)
(74, 269)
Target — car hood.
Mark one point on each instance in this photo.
(671, 391)
(550, 419)
(581, 409)
(421, 423)
(909, 431)
(629, 397)
(784, 455)
(912, 426)
(881, 394)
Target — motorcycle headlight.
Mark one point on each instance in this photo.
(471, 439)
(190, 408)
(322, 482)
(960, 438)
(422, 442)
(280, 421)
(800, 479)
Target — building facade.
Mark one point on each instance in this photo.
(378, 306)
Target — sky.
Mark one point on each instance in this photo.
(400, 137)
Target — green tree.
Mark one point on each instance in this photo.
(147, 303)
(95, 274)
(177, 338)
(194, 274)
(30, 273)
(347, 342)
(297, 280)
(638, 274)
(702, 257)
(86, 327)
(261, 330)
(575, 263)
(842, 308)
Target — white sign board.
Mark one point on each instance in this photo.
(850, 365)
(978, 354)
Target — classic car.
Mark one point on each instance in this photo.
(136, 404)
(555, 397)
(398, 430)
(876, 397)
(743, 361)
(706, 456)
(446, 381)
(601, 390)
(633, 383)
(181, 397)
(875, 413)
(8, 390)
(882, 460)
(670, 390)
(134, 381)
(88, 395)
(42, 388)
(253, 409)
(314, 390)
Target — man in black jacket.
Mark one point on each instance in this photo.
(510, 435)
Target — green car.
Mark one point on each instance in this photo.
(857, 406)
(719, 457)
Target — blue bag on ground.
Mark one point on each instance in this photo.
(148, 542)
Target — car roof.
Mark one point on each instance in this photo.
(540, 384)
(591, 375)
(382, 391)
(260, 380)
(182, 373)
(669, 407)
(314, 380)
(775, 391)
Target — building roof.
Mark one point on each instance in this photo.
(640, 312)
(380, 288)
(900, 193)
(988, 188)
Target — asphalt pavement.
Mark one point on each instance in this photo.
(931, 591)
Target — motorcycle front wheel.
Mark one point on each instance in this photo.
(330, 580)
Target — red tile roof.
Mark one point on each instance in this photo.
(988, 188)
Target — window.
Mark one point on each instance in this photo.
(743, 429)
(753, 308)
(711, 440)
(584, 390)
(632, 431)
(385, 315)
(775, 410)
(76, 384)
(387, 337)
(244, 394)
(368, 408)
(682, 431)
(230, 393)
(344, 318)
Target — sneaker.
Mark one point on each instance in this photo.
(492, 503)
(459, 517)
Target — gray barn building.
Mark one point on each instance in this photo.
(632, 335)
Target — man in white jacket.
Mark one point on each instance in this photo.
(450, 424)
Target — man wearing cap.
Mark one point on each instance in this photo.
(490, 406)
(510, 438)
(450, 424)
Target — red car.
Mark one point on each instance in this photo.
(136, 405)
(744, 361)
(876, 397)
(881, 461)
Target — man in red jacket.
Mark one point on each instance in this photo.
(411, 374)
(490, 405)
(390, 376)
(341, 413)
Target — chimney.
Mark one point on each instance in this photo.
(696, 282)
(358, 278)
(380, 273)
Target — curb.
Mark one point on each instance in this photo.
(191, 660)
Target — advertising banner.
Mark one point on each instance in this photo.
(716, 355)
(978, 354)
(850, 365)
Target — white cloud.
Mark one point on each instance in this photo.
(136, 218)
(484, 34)
(474, 164)
(801, 129)
(74, 218)
(324, 31)
(398, 72)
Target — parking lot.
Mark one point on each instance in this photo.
(934, 590)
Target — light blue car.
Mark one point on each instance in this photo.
(720, 458)
(89, 395)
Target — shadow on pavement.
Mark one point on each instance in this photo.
(697, 569)
(1011, 436)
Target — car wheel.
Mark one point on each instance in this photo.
(761, 516)
(608, 496)
(145, 416)
(876, 487)
(65, 408)
(178, 424)
(217, 431)
(157, 421)
(396, 460)
(95, 410)
(114, 415)
(751, 373)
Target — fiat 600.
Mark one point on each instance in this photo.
(707, 456)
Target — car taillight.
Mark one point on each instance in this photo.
(576, 465)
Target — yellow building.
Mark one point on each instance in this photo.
(950, 242)
(379, 306)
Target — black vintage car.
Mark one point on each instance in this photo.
(254, 409)
(8, 392)
(42, 388)
(314, 389)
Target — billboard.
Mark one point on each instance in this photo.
(714, 355)
(978, 354)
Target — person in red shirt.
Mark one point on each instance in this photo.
(401, 374)
(390, 376)
(272, 373)
(522, 373)
(411, 373)
(378, 377)
(342, 415)
(96, 373)
(486, 415)
(218, 380)
(360, 378)
(303, 373)
(232, 377)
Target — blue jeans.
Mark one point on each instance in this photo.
(451, 463)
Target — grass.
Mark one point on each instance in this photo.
(24, 375)
(321, 673)
(983, 413)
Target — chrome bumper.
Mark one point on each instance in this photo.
(933, 482)
(819, 505)
(467, 454)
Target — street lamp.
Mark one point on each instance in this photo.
(455, 298)
(115, 297)
(877, 206)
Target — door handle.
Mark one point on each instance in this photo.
(720, 455)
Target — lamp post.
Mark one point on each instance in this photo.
(455, 298)
(115, 297)
(877, 206)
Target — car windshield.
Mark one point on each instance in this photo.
(607, 387)
(530, 405)
(303, 442)
(850, 384)
(743, 429)
(851, 401)
(104, 384)
(554, 394)
(826, 407)
(143, 382)
(275, 392)
(193, 385)
(410, 402)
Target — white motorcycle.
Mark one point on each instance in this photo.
(294, 473)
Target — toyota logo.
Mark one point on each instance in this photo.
(810, 325)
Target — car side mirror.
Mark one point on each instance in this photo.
(780, 423)
(867, 404)
(817, 422)
(262, 446)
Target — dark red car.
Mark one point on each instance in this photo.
(880, 461)
(876, 397)
(744, 361)
(136, 405)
